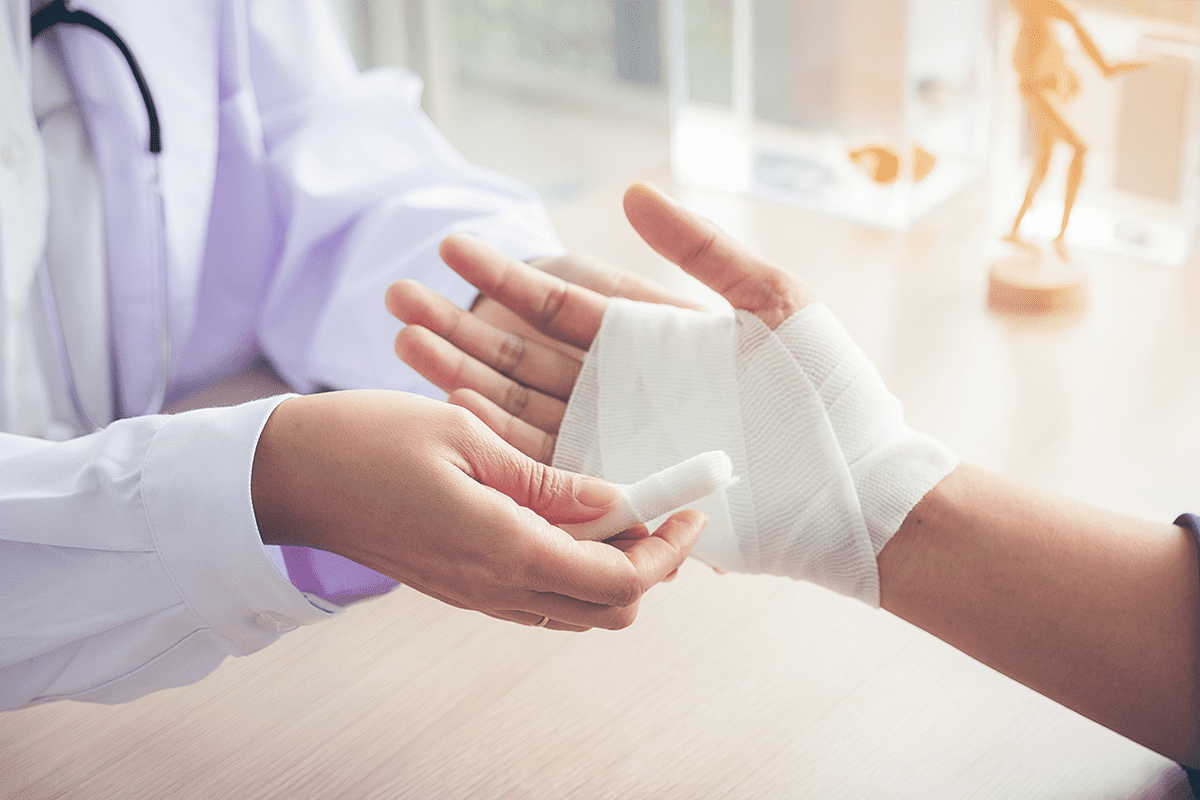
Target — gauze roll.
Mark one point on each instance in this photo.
(659, 494)
(661, 384)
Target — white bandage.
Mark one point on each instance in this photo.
(828, 468)
(659, 494)
(892, 465)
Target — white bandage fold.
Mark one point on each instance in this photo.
(827, 467)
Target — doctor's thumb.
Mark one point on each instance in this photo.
(557, 496)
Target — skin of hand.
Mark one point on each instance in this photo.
(582, 270)
(1098, 611)
(424, 492)
(519, 385)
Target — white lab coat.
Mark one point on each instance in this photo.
(295, 191)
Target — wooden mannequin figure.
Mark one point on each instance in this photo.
(1031, 282)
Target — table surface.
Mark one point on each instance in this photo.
(726, 686)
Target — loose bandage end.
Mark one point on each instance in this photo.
(660, 494)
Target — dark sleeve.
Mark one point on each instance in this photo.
(1191, 522)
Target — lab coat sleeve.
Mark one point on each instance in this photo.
(329, 186)
(130, 560)
(367, 188)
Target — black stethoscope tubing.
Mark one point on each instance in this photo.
(57, 13)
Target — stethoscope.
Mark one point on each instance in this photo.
(47, 17)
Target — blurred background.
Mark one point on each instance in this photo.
(875, 111)
(561, 94)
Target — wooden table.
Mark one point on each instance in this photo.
(727, 686)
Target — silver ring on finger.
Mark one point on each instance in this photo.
(542, 623)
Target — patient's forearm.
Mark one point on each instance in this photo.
(1093, 609)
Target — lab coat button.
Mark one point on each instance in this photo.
(277, 623)
(13, 153)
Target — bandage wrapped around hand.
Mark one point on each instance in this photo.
(827, 467)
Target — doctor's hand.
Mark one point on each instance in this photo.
(519, 385)
(425, 493)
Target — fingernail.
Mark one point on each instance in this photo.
(596, 493)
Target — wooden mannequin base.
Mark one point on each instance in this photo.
(1036, 284)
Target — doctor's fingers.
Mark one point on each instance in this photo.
(528, 362)
(448, 368)
(530, 440)
(709, 254)
(568, 576)
(563, 311)
(581, 585)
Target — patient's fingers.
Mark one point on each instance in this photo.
(528, 362)
(611, 281)
(533, 442)
(449, 368)
(706, 252)
(561, 310)
(501, 318)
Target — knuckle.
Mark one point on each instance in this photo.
(464, 433)
(627, 592)
(516, 399)
(460, 418)
(555, 299)
(785, 291)
(512, 353)
(774, 291)
(544, 487)
(701, 251)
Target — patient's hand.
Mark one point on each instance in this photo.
(582, 270)
(519, 384)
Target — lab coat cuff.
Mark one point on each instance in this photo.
(196, 489)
